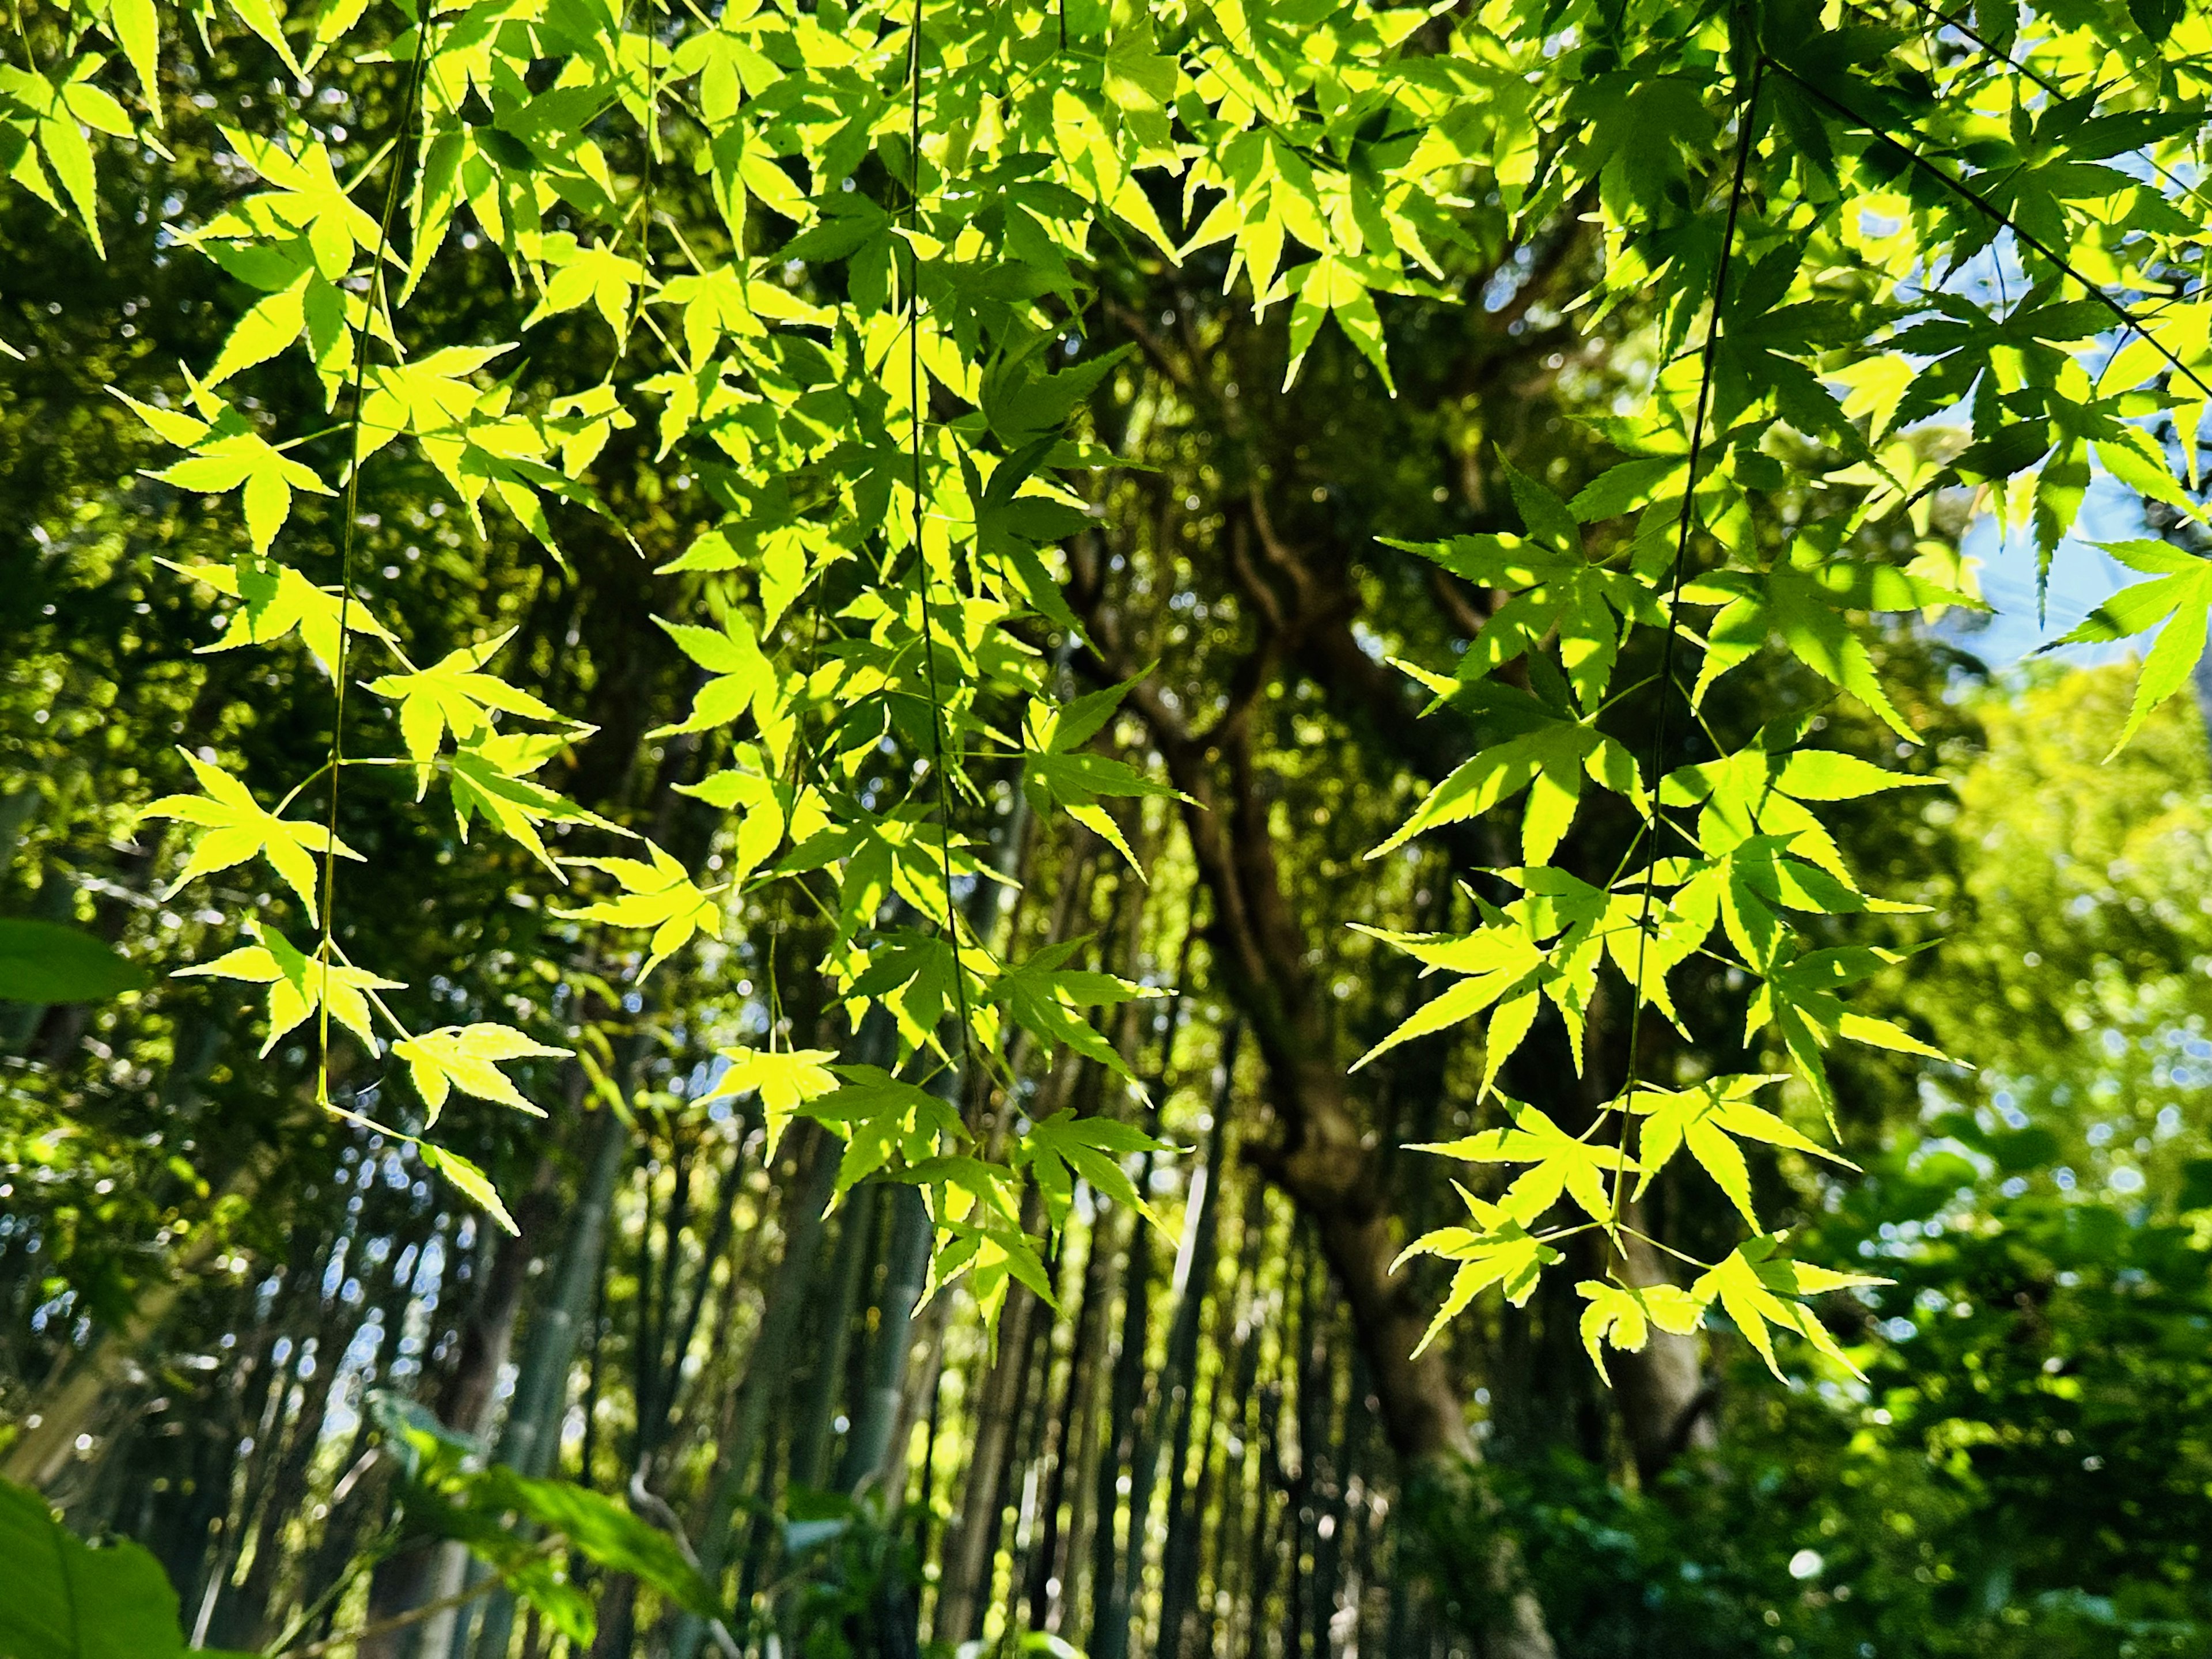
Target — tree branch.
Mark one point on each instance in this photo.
(460, 1598)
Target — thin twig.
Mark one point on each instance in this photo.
(377, 289)
(429, 1610)
(1966, 27)
(2127, 317)
(1747, 122)
(918, 395)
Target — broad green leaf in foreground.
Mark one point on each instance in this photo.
(65, 1601)
(49, 961)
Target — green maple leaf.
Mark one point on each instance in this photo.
(1065, 1148)
(308, 201)
(1043, 994)
(453, 695)
(1554, 589)
(1638, 131)
(1756, 880)
(1334, 286)
(911, 974)
(301, 299)
(660, 895)
(299, 984)
(2178, 595)
(1058, 771)
(261, 16)
(1757, 792)
(1750, 1286)
(431, 397)
(787, 1079)
(472, 1183)
(131, 24)
(490, 776)
(991, 1254)
(735, 300)
(1550, 760)
(744, 680)
(227, 454)
(881, 1118)
(1622, 1316)
(275, 600)
(1549, 944)
(1496, 961)
(1496, 1249)
(1802, 604)
(468, 1058)
(760, 801)
(237, 829)
(1797, 996)
(1709, 1118)
(595, 275)
(1580, 1169)
(55, 110)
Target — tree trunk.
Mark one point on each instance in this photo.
(766, 1369)
(530, 1436)
(1078, 1440)
(856, 1237)
(1179, 1379)
(406, 1580)
(1321, 1158)
(74, 1406)
(1109, 1606)
(971, 1545)
(875, 1452)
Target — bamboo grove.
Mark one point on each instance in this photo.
(877, 709)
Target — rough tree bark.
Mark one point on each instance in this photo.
(1319, 1158)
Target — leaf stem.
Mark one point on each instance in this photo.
(2095, 291)
(417, 78)
(1746, 123)
(918, 398)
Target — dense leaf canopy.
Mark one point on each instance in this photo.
(831, 568)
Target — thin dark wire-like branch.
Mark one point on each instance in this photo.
(2095, 291)
(1746, 122)
(1965, 26)
(377, 289)
(917, 394)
